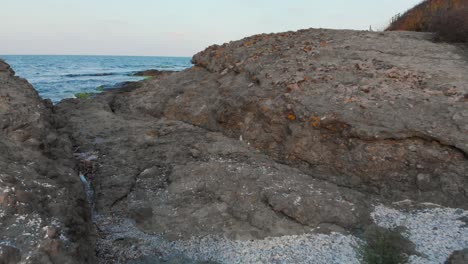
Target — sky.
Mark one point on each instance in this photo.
(171, 27)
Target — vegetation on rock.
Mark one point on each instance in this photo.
(385, 246)
(447, 18)
(83, 95)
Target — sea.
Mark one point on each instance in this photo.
(60, 77)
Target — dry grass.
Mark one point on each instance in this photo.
(447, 18)
(451, 26)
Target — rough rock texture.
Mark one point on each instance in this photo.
(276, 135)
(271, 136)
(179, 181)
(436, 231)
(42, 215)
(384, 113)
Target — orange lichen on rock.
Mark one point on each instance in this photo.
(249, 43)
(350, 100)
(307, 49)
(292, 87)
(152, 133)
(196, 68)
(291, 116)
(315, 121)
(218, 52)
(305, 79)
(264, 108)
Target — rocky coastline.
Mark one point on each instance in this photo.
(153, 73)
(277, 148)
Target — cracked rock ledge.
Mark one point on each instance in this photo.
(277, 148)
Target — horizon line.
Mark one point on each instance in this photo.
(90, 55)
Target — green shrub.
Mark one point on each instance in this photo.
(385, 246)
(83, 95)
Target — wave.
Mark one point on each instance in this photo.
(94, 74)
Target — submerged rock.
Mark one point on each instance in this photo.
(153, 73)
(121, 85)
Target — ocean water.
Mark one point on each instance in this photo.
(59, 77)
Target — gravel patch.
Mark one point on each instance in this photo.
(436, 232)
(309, 248)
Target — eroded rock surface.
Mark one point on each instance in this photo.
(178, 180)
(43, 218)
(384, 113)
(275, 135)
(270, 136)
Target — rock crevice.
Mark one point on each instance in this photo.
(273, 135)
(44, 217)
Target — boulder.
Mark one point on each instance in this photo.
(39, 189)
(382, 113)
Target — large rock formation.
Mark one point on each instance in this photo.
(180, 180)
(277, 135)
(281, 134)
(43, 218)
(383, 113)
